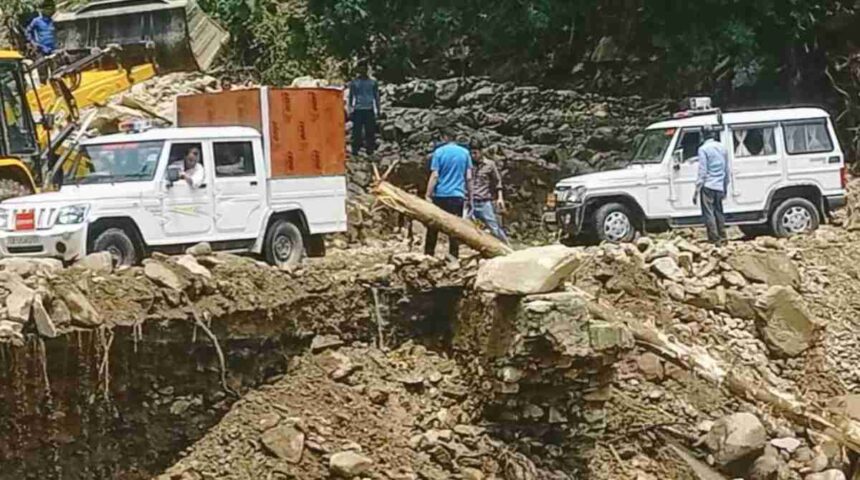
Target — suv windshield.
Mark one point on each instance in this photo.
(115, 163)
(652, 147)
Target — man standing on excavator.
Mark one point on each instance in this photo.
(41, 31)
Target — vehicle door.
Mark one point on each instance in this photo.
(239, 191)
(684, 171)
(757, 166)
(812, 155)
(187, 209)
(657, 173)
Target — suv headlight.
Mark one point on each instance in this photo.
(72, 214)
(4, 219)
(572, 195)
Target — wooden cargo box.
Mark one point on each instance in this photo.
(303, 128)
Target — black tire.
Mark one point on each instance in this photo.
(614, 223)
(794, 216)
(284, 244)
(752, 231)
(11, 188)
(119, 244)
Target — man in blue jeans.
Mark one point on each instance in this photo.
(712, 184)
(364, 107)
(487, 189)
(450, 171)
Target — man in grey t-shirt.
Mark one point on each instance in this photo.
(364, 107)
(486, 189)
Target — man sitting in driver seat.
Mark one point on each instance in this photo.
(193, 169)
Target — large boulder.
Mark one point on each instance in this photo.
(740, 305)
(528, 272)
(349, 464)
(163, 275)
(81, 311)
(736, 437)
(785, 323)
(772, 268)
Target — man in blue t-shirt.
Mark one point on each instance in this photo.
(40, 32)
(450, 172)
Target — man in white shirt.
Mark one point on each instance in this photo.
(193, 172)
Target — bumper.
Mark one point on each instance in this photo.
(835, 201)
(66, 243)
(569, 219)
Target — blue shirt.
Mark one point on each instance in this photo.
(451, 162)
(40, 31)
(714, 172)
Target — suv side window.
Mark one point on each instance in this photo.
(691, 140)
(807, 137)
(234, 159)
(756, 141)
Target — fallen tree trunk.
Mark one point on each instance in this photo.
(841, 428)
(434, 217)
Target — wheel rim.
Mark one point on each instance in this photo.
(616, 226)
(282, 248)
(116, 253)
(797, 219)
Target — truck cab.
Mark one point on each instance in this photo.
(166, 189)
(787, 176)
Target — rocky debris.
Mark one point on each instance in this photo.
(325, 342)
(19, 302)
(285, 442)
(100, 263)
(199, 250)
(735, 437)
(786, 325)
(771, 268)
(25, 267)
(668, 268)
(531, 271)
(44, 325)
(163, 275)
(651, 367)
(789, 444)
(190, 263)
(349, 464)
(826, 475)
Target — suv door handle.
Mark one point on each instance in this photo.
(253, 183)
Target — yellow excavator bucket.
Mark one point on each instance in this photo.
(179, 35)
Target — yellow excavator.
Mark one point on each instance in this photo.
(104, 48)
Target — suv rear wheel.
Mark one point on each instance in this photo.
(613, 222)
(120, 246)
(794, 216)
(284, 244)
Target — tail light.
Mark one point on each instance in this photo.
(843, 175)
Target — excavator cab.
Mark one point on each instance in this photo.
(19, 149)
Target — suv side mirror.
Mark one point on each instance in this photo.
(677, 159)
(172, 176)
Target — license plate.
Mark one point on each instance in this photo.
(22, 241)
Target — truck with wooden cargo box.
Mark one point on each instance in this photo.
(259, 170)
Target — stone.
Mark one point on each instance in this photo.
(199, 250)
(60, 313)
(734, 279)
(44, 325)
(644, 244)
(189, 263)
(740, 305)
(81, 311)
(25, 267)
(651, 366)
(771, 268)
(529, 271)
(338, 365)
(349, 464)
(100, 263)
(676, 292)
(712, 299)
(285, 442)
(469, 473)
(767, 466)
(832, 474)
(162, 275)
(847, 405)
(662, 250)
(685, 261)
(667, 267)
(788, 444)
(786, 325)
(11, 331)
(448, 91)
(325, 342)
(735, 437)
(19, 302)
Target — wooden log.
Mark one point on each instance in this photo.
(434, 217)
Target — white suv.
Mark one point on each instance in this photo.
(788, 174)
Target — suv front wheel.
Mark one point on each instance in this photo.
(794, 216)
(120, 246)
(284, 244)
(613, 222)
